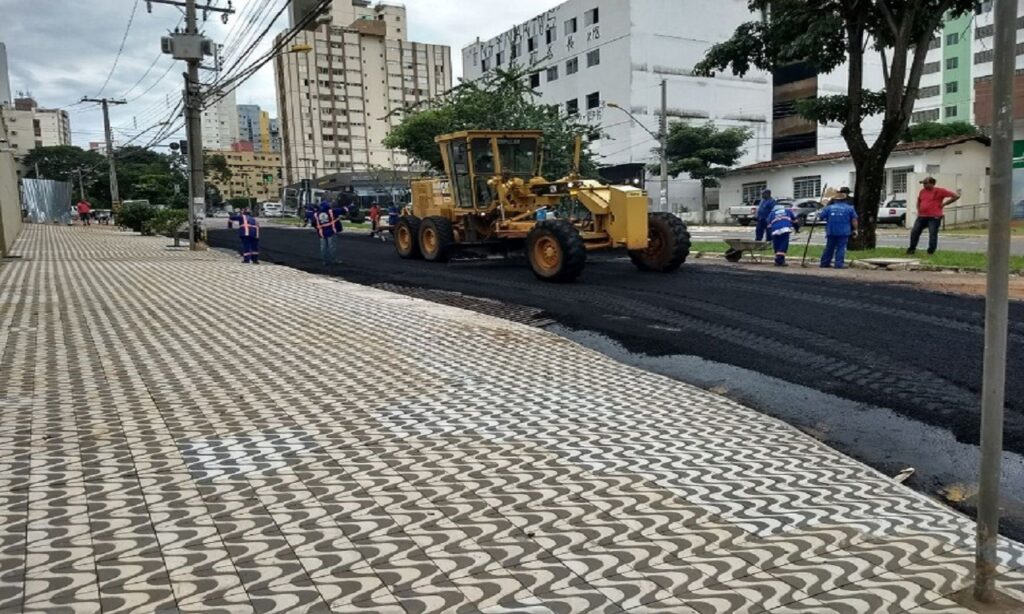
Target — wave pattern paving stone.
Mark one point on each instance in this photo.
(159, 455)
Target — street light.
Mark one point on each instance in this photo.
(662, 138)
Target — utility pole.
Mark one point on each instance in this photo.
(664, 146)
(37, 171)
(191, 46)
(81, 187)
(993, 383)
(115, 196)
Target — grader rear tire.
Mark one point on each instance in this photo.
(556, 251)
(437, 239)
(668, 244)
(407, 237)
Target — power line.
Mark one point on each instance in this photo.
(120, 50)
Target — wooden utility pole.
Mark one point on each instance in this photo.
(115, 196)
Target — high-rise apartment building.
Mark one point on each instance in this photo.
(256, 127)
(337, 102)
(28, 126)
(220, 123)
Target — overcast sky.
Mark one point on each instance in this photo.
(61, 50)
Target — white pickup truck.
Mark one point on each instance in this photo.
(744, 214)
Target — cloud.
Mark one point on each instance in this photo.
(62, 50)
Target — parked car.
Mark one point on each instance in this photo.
(893, 212)
(273, 210)
(804, 207)
(744, 214)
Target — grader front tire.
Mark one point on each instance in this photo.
(407, 237)
(556, 251)
(668, 244)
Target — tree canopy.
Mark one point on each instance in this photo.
(502, 100)
(703, 151)
(826, 34)
(936, 130)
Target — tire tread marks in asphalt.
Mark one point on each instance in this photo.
(915, 352)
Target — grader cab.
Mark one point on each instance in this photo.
(492, 198)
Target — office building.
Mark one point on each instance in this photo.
(220, 124)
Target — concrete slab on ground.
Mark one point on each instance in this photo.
(180, 431)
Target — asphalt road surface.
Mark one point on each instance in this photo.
(884, 373)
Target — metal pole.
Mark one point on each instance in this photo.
(993, 385)
(81, 187)
(115, 193)
(663, 200)
(193, 122)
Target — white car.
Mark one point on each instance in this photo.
(273, 210)
(893, 212)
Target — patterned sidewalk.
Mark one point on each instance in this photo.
(179, 432)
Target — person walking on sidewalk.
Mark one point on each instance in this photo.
(328, 225)
(249, 233)
(84, 210)
(374, 220)
(930, 203)
(840, 221)
(764, 210)
(780, 225)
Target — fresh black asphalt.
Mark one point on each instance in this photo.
(914, 352)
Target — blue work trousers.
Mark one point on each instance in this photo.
(780, 243)
(835, 247)
(761, 231)
(250, 250)
(328, 250)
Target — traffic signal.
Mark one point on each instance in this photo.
(184, 146)
(268, 178)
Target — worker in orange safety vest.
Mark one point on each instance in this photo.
(249, 233)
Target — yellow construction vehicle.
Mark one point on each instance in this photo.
(492, 198)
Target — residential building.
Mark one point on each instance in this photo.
(256, 127)
(28, 126)
(253, 175)
(959, 163)
(338, 101)
(275, 135)
(585, 54)
(101, 146)
(220, 123)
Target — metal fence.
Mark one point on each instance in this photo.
(46, 201)
(960, 215)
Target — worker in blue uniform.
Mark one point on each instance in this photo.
(781, 222)
(840, 221)
(309, 216)
(764, 210)
(328, 225)
(249, 233)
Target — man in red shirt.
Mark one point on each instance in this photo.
(930, 202)
(83, 212)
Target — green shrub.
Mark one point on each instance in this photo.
(166, 222)
(135, 216)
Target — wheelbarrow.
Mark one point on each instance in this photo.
(737, 247)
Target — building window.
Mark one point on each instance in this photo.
(593, 58)
(498, 59)
(928, 115)
(572, 66)
(930, 68)
(483, 65)
(899, 179)
(535, 80)
(984, 31)
(752, 192)
(572, 107)
(591, 17)
(951, 111)
(928, 92)
(552, 74)
(935, 43)
(807, 187)
(984, 56)
(952, 39)
(531, 43)
(593, 100)
(952, 63)
(570, 26)
(513, 55)
(550, 35)
(952, 87)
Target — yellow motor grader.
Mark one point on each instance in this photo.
(492, 198)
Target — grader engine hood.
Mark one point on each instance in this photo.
(623, 208)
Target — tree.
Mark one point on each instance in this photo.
(704, 152)
(62, 162)
(499, 101)
(826, 33)
(936, 130)
(216, 168)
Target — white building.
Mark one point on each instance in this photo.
(220, 124)
(5, 79)
(28, 126)
(338, 103)
(958, 163)
(593, 52)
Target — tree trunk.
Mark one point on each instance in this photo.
(703, 205)
(867, 197)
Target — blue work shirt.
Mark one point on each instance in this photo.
(780, 220)
(248, 227)
(328, 221)
(838, 218)
(392, 215)
(764, 209)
